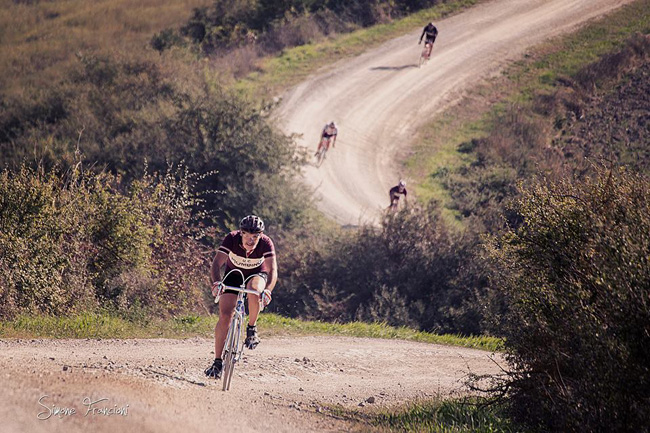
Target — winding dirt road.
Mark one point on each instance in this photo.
(379, 99)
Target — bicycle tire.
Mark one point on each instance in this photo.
(321, 157)
(230, 354)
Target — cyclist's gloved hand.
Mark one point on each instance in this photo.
(266, 297)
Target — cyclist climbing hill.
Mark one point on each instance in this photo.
(327, 137)
(395, 192)
(431, 33)
(252, 252)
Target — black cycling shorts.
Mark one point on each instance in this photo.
(235, 279)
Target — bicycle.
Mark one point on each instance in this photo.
(320, 154)
(425, 55)
(234, 345)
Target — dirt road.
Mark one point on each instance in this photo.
(380, 98)
(285, 385)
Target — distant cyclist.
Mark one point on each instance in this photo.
(251, 251)
(395, 192)
(327, 137)
(431, 33)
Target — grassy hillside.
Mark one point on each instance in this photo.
(466, 158)
(40, 40)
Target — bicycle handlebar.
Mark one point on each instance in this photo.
(242, 289)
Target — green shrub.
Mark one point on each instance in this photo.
(575, 280)
(78, 241)
(411, 271)
(114, 114)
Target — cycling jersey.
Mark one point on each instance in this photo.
(329, 132)
(431, 33)
(395, 192)
(248, 262)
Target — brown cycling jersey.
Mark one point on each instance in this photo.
(329, 132)
(249, 263)
(395, 192)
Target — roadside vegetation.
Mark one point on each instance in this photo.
(127, 151)
(109, 324)
(460, 415)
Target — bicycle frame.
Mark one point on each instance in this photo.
(323, 148)
(426, 53)
(234, 345)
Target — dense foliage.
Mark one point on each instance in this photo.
(411, 271)
(271, 26)
(81, 241)
(574, 280)
(114, 114)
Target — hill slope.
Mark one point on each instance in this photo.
(380, 98)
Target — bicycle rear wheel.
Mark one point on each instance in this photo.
(230, 351)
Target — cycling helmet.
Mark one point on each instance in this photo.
(332, 124)
(402, 183)
(252, 224)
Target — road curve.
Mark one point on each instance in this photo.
(380, 98)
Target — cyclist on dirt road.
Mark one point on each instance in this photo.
(327, 137)
(395, 192)
(251, 251)
(431, 33)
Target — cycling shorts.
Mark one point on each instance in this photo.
(235, 279)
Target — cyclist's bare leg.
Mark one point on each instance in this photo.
(227, 304)
(320, 146)
(258, 284)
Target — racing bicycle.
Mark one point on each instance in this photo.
(234, 345)
(425, 55)
(320, 155)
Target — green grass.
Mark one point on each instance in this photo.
(104, 325)
(295, 64)
(466, 415)
(445, 416)
(437, 143)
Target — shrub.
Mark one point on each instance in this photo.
(575, 278)
(81, 241)
(410, 271)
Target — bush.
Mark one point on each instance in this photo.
(82, 241)
(115, 114)
(575, 278)
(412, 271)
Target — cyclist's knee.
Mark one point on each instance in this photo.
(257, 283)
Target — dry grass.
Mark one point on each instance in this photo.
(39, 40)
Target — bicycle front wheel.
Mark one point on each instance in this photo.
(230, 351)
(321, 156)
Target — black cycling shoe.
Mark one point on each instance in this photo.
(252, 340)
(215, 369)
